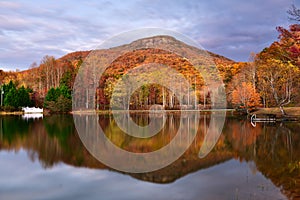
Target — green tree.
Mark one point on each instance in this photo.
(52, 94)
(23, 98)
(59, 99)
(16, 97)
(67, 79)
(7, 87)
(63, 104)
(65, 91)
(10, 98)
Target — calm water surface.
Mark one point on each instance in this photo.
(45, 159)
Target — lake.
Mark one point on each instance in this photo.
(44, 158)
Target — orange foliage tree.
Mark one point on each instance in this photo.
(246, 95)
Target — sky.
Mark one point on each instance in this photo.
(30, 29)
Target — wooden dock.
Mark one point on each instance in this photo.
(268, 118)
(271, 118)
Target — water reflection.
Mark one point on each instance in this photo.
(273, 150)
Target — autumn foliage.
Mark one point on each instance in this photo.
(271, 78)
(245, 95)
(278, 71)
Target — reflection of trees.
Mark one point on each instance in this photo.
(12, 129)
(28, 135)
(127, 142)
(61, 131)
(54, 140)
(278, 157)
(274, 149)
(242, 137)
(49, 140)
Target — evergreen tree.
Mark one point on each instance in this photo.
(23, 98)
(10, 98)
(65, 91)
(52, 94)
(59, 99)
(16, 97)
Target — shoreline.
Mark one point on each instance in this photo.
(12, 113)
(146, 111)
(291, 111)
(108, 112)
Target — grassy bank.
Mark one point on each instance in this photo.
(293, 111)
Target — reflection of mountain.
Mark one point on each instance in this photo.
(274, 149)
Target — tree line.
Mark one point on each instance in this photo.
(273, 76)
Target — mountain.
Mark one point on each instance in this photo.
(52, 72)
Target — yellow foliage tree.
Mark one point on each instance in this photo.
(279, 81)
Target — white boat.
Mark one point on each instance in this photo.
(32, 110)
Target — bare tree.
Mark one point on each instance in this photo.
(294, 13)
(47, 65)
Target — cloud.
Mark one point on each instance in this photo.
(9, 5)
(30, 30)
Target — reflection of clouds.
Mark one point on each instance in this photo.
(66, 182)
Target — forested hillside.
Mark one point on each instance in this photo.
(270, 78)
